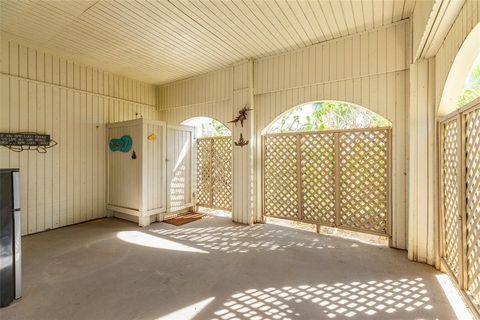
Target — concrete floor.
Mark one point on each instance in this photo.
(215, 269)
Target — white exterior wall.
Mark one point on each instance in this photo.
(219, 95)
(466, 20)
(154, 168)
(427, 82)
(45, 93)
(422, 163)
(369, 69)
(206, 95)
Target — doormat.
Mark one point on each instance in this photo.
(184, 218)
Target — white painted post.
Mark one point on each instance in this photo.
(243, 174)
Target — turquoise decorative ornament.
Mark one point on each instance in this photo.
(124, 144)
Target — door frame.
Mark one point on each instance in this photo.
(168, 172)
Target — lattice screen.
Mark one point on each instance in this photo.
(281, 177)
(214, 172)
(472, 145)
(331, 178)
(222, 173)
(204, 173)
(364, 180)
(318, 178)
(450, 161)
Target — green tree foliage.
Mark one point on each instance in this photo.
(472, 88)
(214, 128)
(328, 116)
(208, 127)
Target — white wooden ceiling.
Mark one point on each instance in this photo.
(161, 41)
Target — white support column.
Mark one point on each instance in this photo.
(243, 173)
(422, 230)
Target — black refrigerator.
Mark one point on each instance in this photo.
(10, 237)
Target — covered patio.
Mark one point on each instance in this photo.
(355, 119)
(216, 269)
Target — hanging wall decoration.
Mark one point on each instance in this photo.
(22, 141)
(241, 142)
(134, 155)
(123, 144)
(242, 116)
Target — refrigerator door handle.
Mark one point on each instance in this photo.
(16, 190)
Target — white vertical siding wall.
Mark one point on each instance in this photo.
(427, 83)
(45, 93)
(123, 172)
(422, 163)
(369, 69)
(467, 19)
(206, 95)
(179, 167)
(154, 179)
(243, 174)
(218, 95)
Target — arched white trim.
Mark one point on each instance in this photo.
(464, 59)
(188, 122)
(271, 123)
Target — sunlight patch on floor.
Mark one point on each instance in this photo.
(384, 298)
(189, 312)
(243, 239)
(215, 212)
(152, 241)
(454, 297)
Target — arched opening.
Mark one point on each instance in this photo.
(458, 87)
(214, 154)
(471, 87)
(328, 164)
(208, 127)
(326, 115)
(459, 174)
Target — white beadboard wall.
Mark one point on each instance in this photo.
(46, 93)
(218, 95)
(210, 95)
(466, 20)
(244, 188)
(369, 69)
(427, 83)
(422, 245)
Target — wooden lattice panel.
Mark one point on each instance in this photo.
(281, 176)
(222, 173)
(204, 172)
(472, 145)
(300, 173)
(317, 156)
(451, 222)
(363, 161)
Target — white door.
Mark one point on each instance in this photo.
(180, 162)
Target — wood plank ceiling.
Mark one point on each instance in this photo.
(161, 41)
